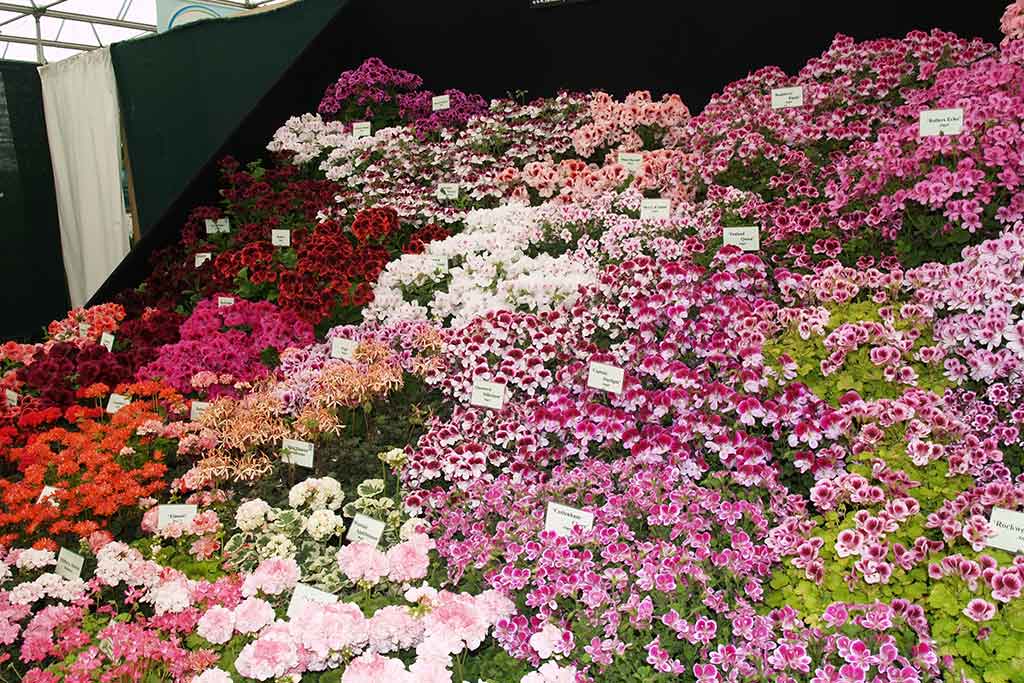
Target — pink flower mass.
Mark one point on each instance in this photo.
(566, 391)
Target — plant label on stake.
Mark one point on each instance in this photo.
(561, 519)
(83, 329)
(487, 394)
(303, 595)
(202, 257)
(361, 129)
(785, 98)
(345, 349)
(175, 514)
(116, 402)
(223, 225)
(47, 495)
(197, 409)
(449, 190)
(211, 226)
(440, 263)
(281, 238)
(107, 341)
(440, 103)
(296, 452)
(655, 208)
(365, 530)
(747, 237)
(225, 301)
(605, 377)
(69, 565)
(631, 161)
(12, 398)
(1009, 527)
(941, 122)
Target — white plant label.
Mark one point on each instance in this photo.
(440, 263)
(202, 257)
(69, 565)
(116, 402)
(365, 530)
(281, 238)
(941, 122)
(223, 225)
(631, 161)
(303, 595)
(655, 208)
(784, 98)
(449, 190)
(83, 329)
(45, 495)
(1009, 528)
(605, 377)
(345, 349)
(197, 409)
(211, 226)
(225, 301)
(561, 519)
(107, 341)
(12, 397)
(488, 394)
(296, 452)
(441, 102)
(175, 514)
(747, 237)
(361, 129)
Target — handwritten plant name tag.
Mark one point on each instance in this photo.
(304, 595)
(225, 301)
(561, 519)
(345, 349)
(441, 102)
(295, 452)
(361, 129)
(197, 409)
(47, 495)
(449, 190)
(784, 98)
(69, 565)
(651, 209)
(116, 402)
(83, 329)
(440, 263)
(107, 341)
(605, 377)
(631, 161)
(12, 397)
(487, 394)
(175, 514)
(941, 122)
(202, 257)
(746, 237)
(365, 530)
(281, 238)
(1009, 528)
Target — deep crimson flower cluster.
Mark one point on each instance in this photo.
(55, 374)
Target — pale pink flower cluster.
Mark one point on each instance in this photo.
(1012, 23)
(407, 561)
(272, 577)
(552, 673)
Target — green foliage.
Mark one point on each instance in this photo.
(858, 373)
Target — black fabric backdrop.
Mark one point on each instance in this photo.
(495, 47)
(34, 290)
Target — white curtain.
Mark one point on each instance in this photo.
(83, 127)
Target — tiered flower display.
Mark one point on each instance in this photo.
(569, 391)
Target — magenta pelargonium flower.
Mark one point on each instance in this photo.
(979, 610)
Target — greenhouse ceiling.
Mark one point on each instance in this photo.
(49, 30)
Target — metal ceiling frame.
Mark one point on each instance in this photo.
(38, 11)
